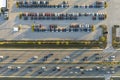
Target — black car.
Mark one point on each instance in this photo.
(76, 6)
(44, 59)
(105, 32)
(56, 59)
(40, 72)
(85, 58)
(13, 60)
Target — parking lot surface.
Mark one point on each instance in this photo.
(26, 33)
(63, 63)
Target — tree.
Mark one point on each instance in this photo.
(87, 42)
(67, 43)
(105, 16)
(57, 42)
(33, 27)
(93, 28)
(17, 4)
(19, 27)
(39, 42)
(102, 38)
(106, 4)
(20, 16)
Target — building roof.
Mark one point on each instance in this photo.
(3, 3)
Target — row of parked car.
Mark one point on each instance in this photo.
(64, 4)
(48, 16)
(40, 4)
(56, 28)
(99, 17)
(97, 4)
(61, 16)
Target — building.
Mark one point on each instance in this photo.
(3, 9)
(3, 5)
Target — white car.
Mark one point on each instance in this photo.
(77, 67)
(35, 57)
(1, 57)
(108, 72)
(67, 57)
(112, 57)
(90, 69)
(44, 68)
(71, 72)
(113, 72)
(9, 67)
(18, 67)
(76, 72)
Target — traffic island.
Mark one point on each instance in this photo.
(103, 38)
(115, 38)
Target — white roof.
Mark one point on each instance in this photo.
(3, 3)
(15, 29)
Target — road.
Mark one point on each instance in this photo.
(113, 9)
